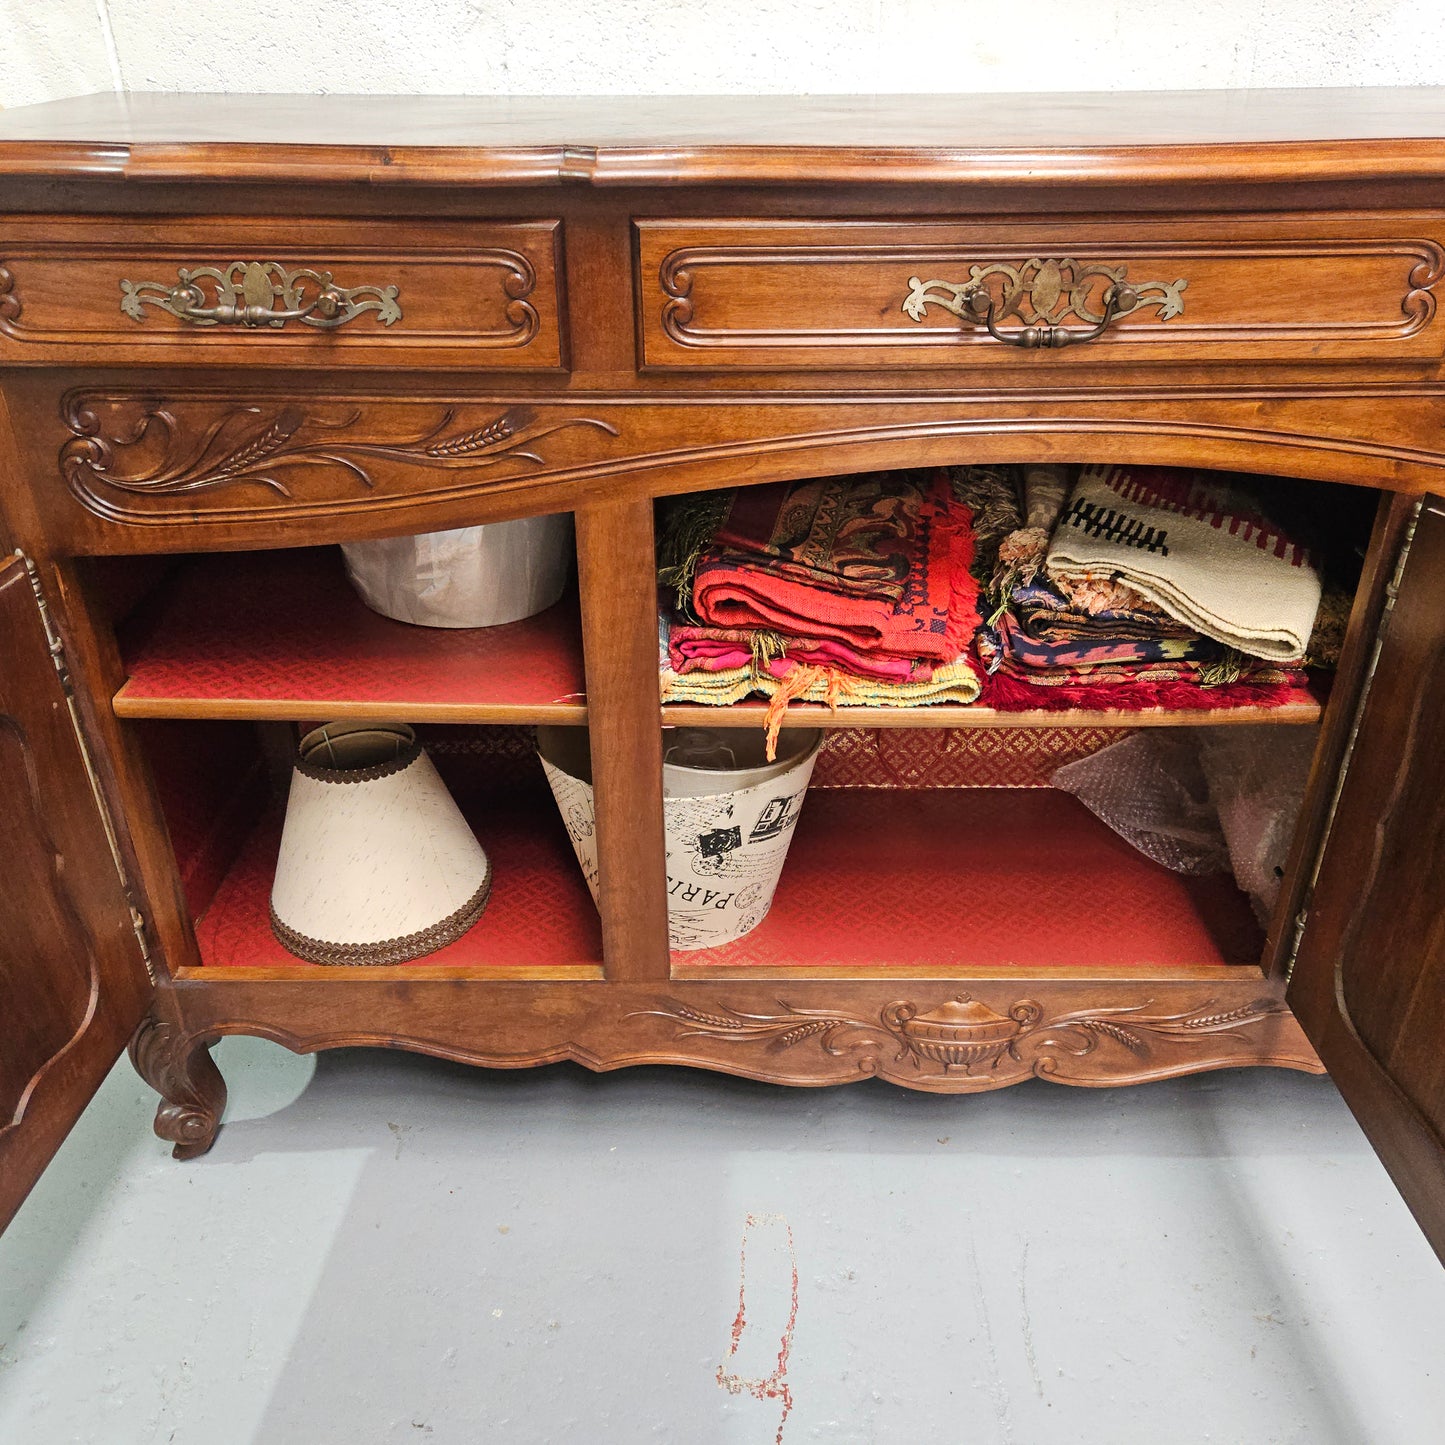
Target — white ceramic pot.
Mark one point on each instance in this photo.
(469, 577)
(377, 864)
(729, 817)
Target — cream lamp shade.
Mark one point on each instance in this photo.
(377, 864)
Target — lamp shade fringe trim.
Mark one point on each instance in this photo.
(389, 950)
(322, 773)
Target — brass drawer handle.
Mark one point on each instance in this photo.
(1041, 293)
(259, 293)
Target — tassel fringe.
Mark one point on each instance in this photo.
(688, 527)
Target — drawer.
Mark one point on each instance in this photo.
(477, 294)
(822, 295)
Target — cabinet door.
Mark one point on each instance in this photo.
(1369, 981)
(73, 982)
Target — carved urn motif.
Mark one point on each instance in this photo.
(962, 1034)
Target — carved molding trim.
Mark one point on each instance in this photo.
(179, 1068)
(139, 447)
(135, 451)
(79, 942)
(1386, 838)
(9, 301)
(1423, 262)
(1419, 303)
(518, 282)
(965, 1039)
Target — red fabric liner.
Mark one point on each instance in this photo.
(212, 787)
(927, 879)
(540, 912)
(953, 757)
(269, 626)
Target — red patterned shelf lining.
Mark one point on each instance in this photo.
(287, 626)
(953, 757)
(933, 879)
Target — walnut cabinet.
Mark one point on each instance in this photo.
(235, 331)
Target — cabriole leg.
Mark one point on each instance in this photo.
(179, 1068)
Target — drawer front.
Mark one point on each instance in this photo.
(818, 295)
(484, 295)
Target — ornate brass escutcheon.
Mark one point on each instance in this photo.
(258, 293)
(1042, 293)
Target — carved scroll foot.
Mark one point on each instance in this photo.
(193, 1094)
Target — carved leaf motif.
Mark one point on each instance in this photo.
(148, 456)
(965, 1038)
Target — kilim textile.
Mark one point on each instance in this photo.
(1199, 546)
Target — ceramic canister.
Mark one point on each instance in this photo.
(729, 817)
(377, 863)
(468, 577)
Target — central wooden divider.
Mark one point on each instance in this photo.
(617, 573)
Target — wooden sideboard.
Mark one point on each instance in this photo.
(235, 326)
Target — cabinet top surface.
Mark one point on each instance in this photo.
(1109, 136)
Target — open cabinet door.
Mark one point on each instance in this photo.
(1369, 978)
(73, 979)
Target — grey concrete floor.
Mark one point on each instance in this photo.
(385, 1248)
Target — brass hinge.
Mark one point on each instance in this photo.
(1300, 920)
(62, 669)
(1392, 593)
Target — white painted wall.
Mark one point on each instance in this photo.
(71, 47)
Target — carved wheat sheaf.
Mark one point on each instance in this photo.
(967, 1039)
(142, 448)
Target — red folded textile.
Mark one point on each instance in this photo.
(718, 649)
(881, 567)
(1135, 691)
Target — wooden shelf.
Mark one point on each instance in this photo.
(1304, 706)
(944, 882)
(281, 636)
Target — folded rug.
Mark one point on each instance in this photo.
(879, 564)
(1198, 547)
(1175, 686)
(856, 535)
(785, 679)
(1046, 615)
(955, 681)
(1075, 652)
(721, 649)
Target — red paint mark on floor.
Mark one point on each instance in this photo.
(773, 1386)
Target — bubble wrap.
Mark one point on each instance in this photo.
(1256, 777)
(1150, 790)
